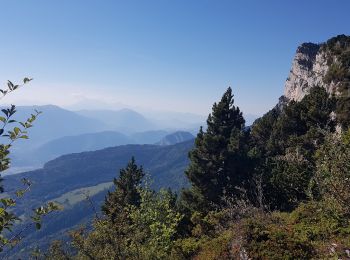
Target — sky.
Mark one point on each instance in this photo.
(161, 55)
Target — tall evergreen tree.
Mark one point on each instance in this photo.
(126, 192)
(217, 160)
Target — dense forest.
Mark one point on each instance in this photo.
(279, 189)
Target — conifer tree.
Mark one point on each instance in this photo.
(126, 192)
(217, 161)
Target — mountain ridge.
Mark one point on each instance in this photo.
(176, 137)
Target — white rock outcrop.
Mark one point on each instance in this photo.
(309, 68)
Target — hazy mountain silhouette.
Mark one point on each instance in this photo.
(176, 137)
(124, 120)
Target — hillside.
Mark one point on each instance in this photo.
(68, 172)
(67, 175)
(36, 157)
(75, 144)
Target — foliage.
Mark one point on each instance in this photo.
(311, 231)
(333, 172)
(148, 234)
(288, 180)
(269, 237)
(216, 248)
(155, 224)
(283, 145)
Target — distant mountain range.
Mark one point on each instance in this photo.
(72, 144)
(91, 142)
(55, 122)
(58, 131)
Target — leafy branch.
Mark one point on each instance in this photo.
(12, 87)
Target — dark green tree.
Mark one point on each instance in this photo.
(126, 190)
(217, 161)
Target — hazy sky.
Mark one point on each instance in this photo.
(167, 55)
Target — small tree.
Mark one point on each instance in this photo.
(126, 190)
(154, 224)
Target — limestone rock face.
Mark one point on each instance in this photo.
(309, 69)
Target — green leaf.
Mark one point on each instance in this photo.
(5, 112)
(16, 130)
(20, 193)
(10, 85)
(26, 80)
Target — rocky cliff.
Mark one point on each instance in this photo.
(325, 65)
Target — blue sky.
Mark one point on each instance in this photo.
(162, 55)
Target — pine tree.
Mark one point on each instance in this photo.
(217, 161)
(126, 192)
